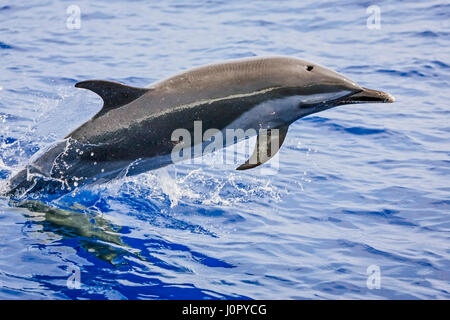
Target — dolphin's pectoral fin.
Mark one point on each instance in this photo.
(267, 145)
(114, 94)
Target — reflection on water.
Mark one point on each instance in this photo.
(98, 235)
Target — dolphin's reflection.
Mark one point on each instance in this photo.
(104, 239)
(96, 234)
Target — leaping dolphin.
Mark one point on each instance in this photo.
(132, 132)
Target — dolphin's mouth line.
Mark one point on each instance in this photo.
(367, 96)
(364, 95)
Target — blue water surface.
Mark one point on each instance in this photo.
(360, 187)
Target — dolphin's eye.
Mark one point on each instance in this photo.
(309, 68)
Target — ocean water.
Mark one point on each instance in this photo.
(358, 209)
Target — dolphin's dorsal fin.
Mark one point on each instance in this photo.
(268, 142)
(114, 94)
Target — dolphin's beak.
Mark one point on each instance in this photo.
(370, 96)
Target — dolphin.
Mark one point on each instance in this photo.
(132, 133)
